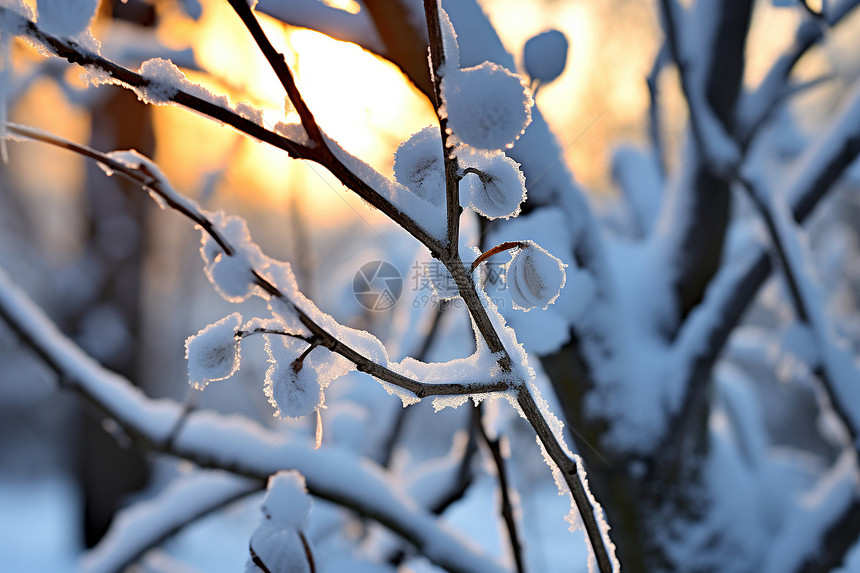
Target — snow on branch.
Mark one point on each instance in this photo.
(839, 376)
(706, 331)
(720, 152)
(166, 84)
(357, 28)
(149, 523)
(235, 443)
(273, 280)
(757, 106)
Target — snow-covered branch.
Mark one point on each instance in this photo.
(162, 83)
(148, 524)
(234, 443)
(705, 332)
(758, 105)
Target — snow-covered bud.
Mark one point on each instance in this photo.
(292, 386)
(488, 107)
(495, 186)
(418, 165)
(231, 274)
(213, 353)
(535, 277)
(545, 55)
(66, 18)
(287, 503)
(278, 544)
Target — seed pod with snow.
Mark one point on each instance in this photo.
(418, 165)
(495, 186)
(535, 277)
(487, 106)
(213, 353)
(545, 55)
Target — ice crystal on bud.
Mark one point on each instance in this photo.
(493, 184)
(534, 277)
(488, 107)
(277, 543)
(418, 165)
(213, 353)
(66, 18)
(545, 55)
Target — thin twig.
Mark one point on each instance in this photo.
(279, 66)
(135, 175)
(506, 246)
(452, 179)
(308, 553)
(74, 53)
(654, 123)
(799, 303)
(324, 338)
(494, 445)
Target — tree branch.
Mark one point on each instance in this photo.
(570, 470)
(234, 443)
(787, 251)
(279, 66)
(318, 154)
(706, 331)
(186, 207)
(759, 105)
(150, 523)
(494, 445)
(452, 170)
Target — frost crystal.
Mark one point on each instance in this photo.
(213, 353)
(535, 277)
(66, 18)
(487, 106)
(545, 55)
(418, 165)
(493, 183)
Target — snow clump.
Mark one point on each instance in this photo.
(213, 353)
(278, 543)
(232, 273)
(298, 374)
(487, 106)
(493, 184)
(418, 165)
(535, 277)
